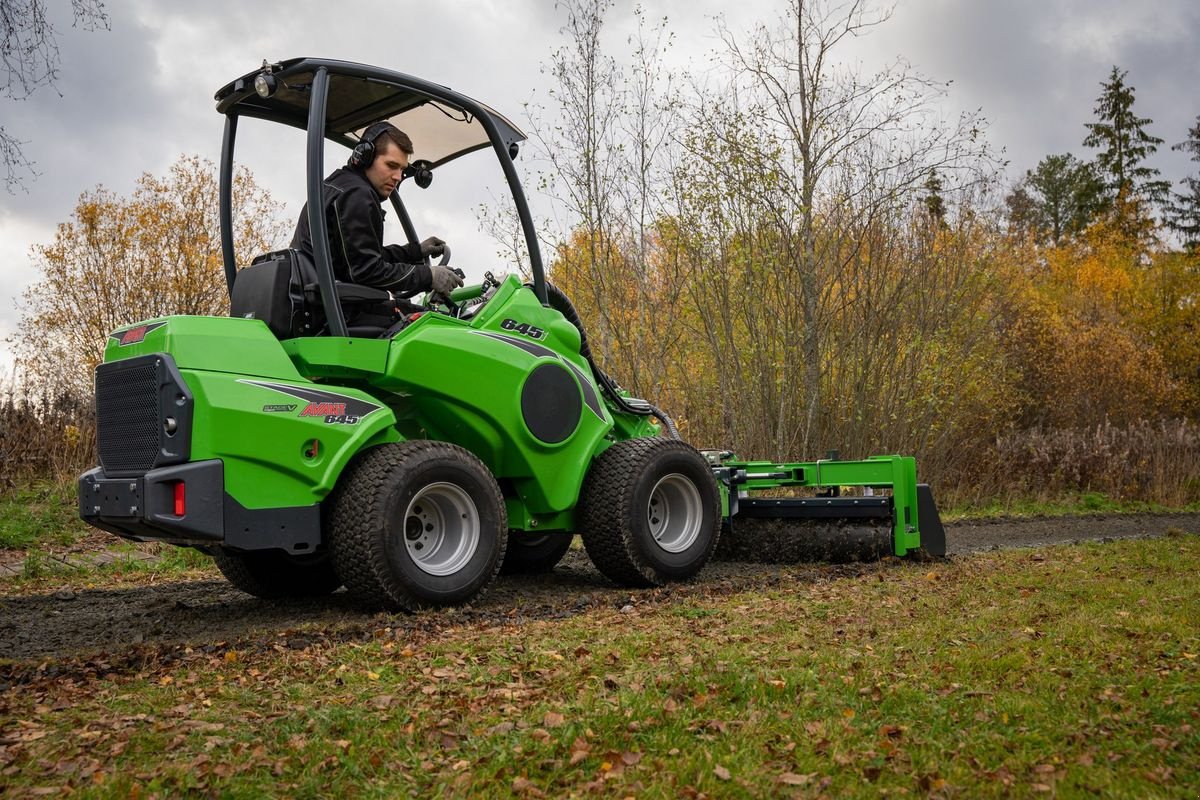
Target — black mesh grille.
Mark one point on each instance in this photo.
(127, 403)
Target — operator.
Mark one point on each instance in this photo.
(353, 196)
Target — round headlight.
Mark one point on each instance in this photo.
(264, 84)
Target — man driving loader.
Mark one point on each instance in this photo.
(353, 195)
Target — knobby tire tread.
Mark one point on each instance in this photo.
(357, 510)
(607, 506)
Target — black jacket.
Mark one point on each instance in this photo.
(355, 222)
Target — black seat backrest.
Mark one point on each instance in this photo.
(272, 289)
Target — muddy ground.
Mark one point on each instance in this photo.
(101, 624)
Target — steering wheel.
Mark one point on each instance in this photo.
(445, 255)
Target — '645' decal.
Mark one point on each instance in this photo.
(523, 328)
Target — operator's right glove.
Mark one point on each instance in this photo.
(445, 280)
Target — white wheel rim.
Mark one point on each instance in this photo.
(675, 513)
(441, 529)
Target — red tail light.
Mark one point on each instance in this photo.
(180, 499)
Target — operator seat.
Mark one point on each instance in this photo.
(281, 289)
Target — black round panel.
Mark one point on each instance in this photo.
(551, 403)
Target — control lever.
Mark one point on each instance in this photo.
(444, 299)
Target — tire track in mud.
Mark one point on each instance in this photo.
(211, 613)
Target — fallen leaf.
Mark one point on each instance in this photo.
(526, 786)
(792, 779)
(553, 719)
(721, 772)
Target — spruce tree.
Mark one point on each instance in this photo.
(1183, 213)
(1124, 145)
(935, 204)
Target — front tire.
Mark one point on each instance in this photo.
(649, 512)
(274, 574)
(416, 524)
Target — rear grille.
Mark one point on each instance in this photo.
(132, 398)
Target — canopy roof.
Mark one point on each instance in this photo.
(442, 123)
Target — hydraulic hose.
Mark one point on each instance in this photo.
(562, 304)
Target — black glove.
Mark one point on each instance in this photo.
(445, 280)
(432, 247)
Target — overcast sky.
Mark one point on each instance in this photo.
(135, 98)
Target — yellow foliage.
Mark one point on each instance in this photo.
(123, 259)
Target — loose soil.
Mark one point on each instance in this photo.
(98, 623)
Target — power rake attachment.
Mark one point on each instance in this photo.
(824, 510)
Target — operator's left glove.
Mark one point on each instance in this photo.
(432, 247)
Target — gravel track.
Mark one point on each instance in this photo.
(211, 613)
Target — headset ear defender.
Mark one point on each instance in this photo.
(363, 154)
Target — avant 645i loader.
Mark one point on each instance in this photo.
(304, 456)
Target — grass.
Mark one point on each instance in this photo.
(130, 565)
(40, 514)
(1071, 504)
(1071, 670)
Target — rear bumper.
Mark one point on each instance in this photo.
(143, 508)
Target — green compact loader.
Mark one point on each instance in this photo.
(305, 455)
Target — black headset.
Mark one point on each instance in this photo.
(363, 155)
(364, 152)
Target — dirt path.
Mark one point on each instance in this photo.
(203, 614)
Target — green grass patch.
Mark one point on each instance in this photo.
(1066, 505)
(1070, 670)
(124, 564)
(40, 514)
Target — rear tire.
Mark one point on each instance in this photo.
(649, 512)
(534, 553)
(274, 574)
(416, 524)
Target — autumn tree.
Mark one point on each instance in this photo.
(1183, 212)
(843, 148)
(1124, 144)
(612, 123)
(123, 259)
(30, 60)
